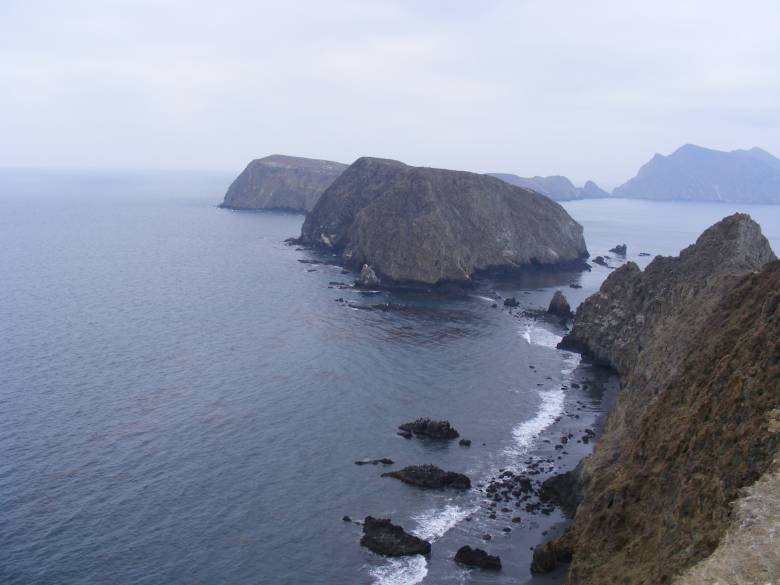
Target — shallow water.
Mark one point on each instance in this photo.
(182, 401)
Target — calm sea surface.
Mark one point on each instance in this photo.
(182, 400)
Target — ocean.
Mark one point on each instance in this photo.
(182, 400)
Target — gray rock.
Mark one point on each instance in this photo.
(476, 557)
(423, 225)
(693, 173)
(282, 182)
(368, 278)
(430, 476)
(385, 538)
(559, 306)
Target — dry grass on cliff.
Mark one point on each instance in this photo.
(749, 554)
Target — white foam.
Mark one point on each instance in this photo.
(526, 432)
(433, 524)
(401, 571)
(536, 335)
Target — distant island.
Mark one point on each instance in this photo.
(424, 225)
(555, 187)
(693, 173)
(282, 182)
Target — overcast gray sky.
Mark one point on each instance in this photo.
(589, 89)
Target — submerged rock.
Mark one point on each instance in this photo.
(434, 429)
(476, 557)
(559, 306)
(429, 226)
(385, 538)
(511, 302)
(430, 476)
(383, 461)
(282, 182)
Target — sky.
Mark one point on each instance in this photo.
(586, 89)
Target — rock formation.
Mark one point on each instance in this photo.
(555, 187)
(559, 306)
(430, 476)
(696, 341)
(433, 429)
(368, 278)
(693, 173)
(282, 182)
(476, 557)
(385, 538)
(423, 225)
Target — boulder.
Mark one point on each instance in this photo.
(383, 537)
(434, 429)
(368, 278)
(559, 306)
(430, 476)
(476, 557)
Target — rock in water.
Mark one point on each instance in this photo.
(555, 187)
(423, 225)
(434, 429)
(430, 476)
(476, 557)
(559, 306)
(385, 538)
(620, 249)
(282, 182)
(368, 278)
(600, 261)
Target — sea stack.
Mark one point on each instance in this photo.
(282, 182)
(429, 226)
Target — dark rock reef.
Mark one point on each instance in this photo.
(385, 538)
(696, 341)
(428, 226)
(476, 557)
(430, 476)
(282, 182)
(433, 429)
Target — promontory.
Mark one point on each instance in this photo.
(425, 225)
(282, 182)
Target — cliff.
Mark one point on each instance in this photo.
(693, 173)
(555, 187)
(696, 341)
(282, 182)
(424, 225)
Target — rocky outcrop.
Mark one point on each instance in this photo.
(693, 173)
(429, 226)
(430, 476)
(368, 278)
(433, 429)
(282, 182)
(555, 187)
(385, 538)
(696, 341)
(620, 249)
(559, 306)
(476, 557)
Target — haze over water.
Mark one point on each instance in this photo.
(182, 401)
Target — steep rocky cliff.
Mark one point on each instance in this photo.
(282, 182)
(696, 340)
(424, 225)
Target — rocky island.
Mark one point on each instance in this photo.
(430, 226)
(555, 187)
(696, 342)
(282, 182)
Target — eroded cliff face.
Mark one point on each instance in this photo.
(282, 182)
(423, 225)
(696, 340)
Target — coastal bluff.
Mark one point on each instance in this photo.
(428, 226)
(695, 340)
(282, 182)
